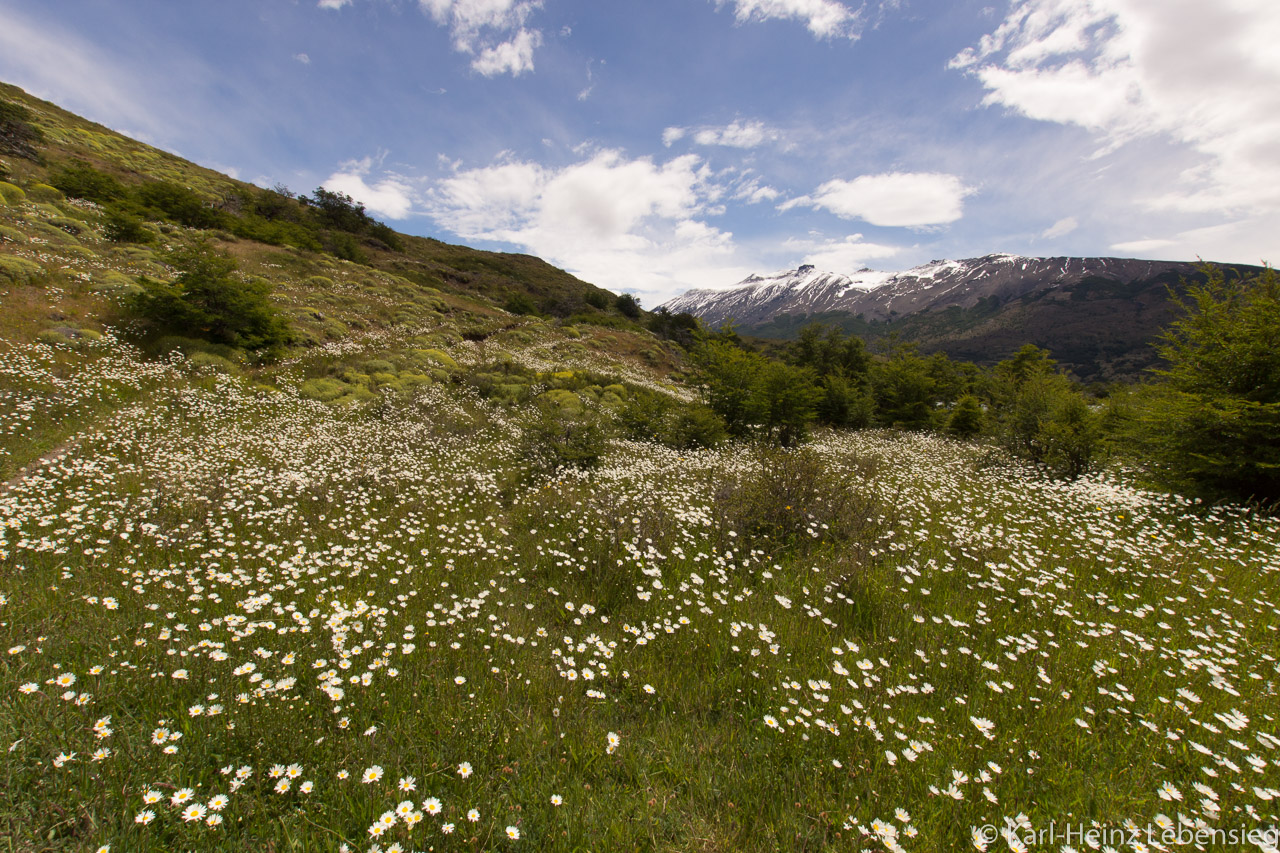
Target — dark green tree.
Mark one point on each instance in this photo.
(628, 306)
(966, 418)
(208, 300)
(1213, 422)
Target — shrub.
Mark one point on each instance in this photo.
(519, 303)
(11, 194)
(123, 227)
(17, 135)
(556, 437)
(791, 498)
(692, 426)
(80, 180)
(19, 270)
(208, 301)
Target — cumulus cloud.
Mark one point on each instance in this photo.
(333, 4)
(512, 57)
(672, 135)
(911, 199)
(824, 18)
(485, 28)
(389, 197)
(1061, 228)
(845, 255)
(624, 224)
(1206, 75)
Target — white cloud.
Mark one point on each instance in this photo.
(737, 134)
(1061, 228)
(845, 255)
(60, 66)
(753, 192)
(303, 58)
(390, 197)
(624, 224)
(911, 199)
(481, 28)
(512, 57)
(1143, 246)
(824, 18)
(672, 135)
(1206, 75)
(333, 4)
(1245, 241)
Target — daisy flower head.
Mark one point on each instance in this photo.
(182, 796)
(193, 812)
(431, 806)
(464, 769)
(144, 817)
(556, 799)
(408, 783)
(372, 774)
(473, 815)
(513, 833)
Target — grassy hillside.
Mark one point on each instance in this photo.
(340, 601)
(183, 200)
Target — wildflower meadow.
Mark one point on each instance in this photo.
(236, 618)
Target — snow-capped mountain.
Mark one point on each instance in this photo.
(934, 286)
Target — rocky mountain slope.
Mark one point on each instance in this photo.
(1097, 315)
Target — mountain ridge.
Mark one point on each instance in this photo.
(1098, 316)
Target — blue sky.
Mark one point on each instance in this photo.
(660, 145)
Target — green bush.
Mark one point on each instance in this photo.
(19, 270)
(792, 498)
(123, 227)
(966, 419)
(323, 389)
(555, 437)
(1042, 417)
(208, 301)
(80, 180)
(11, 194)
(18, 136)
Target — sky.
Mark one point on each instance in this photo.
(651, 146)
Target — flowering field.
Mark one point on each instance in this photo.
(238, 619)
